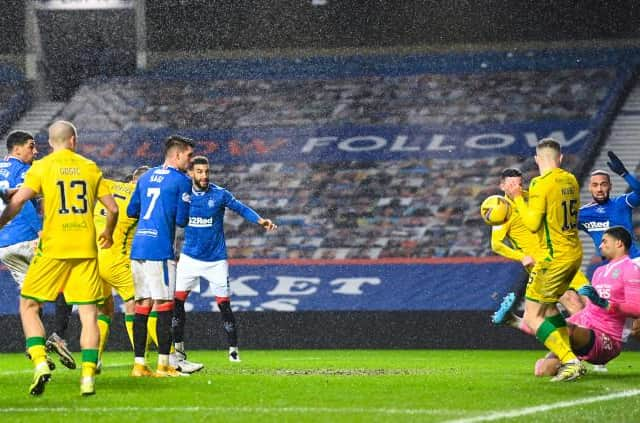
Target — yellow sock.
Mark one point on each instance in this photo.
(151, 328)
(553, 333)
(88, 369)
(38, 354)
(560, 347)
(128, 323)
(104, 322)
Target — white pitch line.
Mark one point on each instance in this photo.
(245, 410)
(543, 408)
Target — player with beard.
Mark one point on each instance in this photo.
(604, 211)
(204, 253)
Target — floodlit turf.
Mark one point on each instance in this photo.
(334, 385)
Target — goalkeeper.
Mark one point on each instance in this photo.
(599, 330)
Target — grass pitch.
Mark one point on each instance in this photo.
(330, 385)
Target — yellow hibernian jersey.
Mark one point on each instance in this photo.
(523, 241)
(70, 184)
(126, 226)
(554, 199)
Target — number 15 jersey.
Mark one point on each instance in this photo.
(160, 202)
(556, 196)
(70, 184)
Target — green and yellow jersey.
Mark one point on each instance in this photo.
(523, 241)
(70, 185)
(552, 213)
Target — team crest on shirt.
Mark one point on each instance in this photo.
(601, 210)
(615, 273)
(211, 203)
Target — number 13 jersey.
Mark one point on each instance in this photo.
(70, 184)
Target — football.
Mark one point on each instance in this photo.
(495, 210)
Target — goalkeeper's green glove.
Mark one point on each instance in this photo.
(591, 293)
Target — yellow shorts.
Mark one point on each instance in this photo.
(550, 278)
(77, 277)
(115, 271)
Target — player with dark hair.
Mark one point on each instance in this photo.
(114, 263)
(552, 214)
(66, 258)
(204, 253)
(599, 330)
(605, 211)
(160, 201)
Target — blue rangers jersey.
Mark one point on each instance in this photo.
(160, 201)
(594, 218)
(204, 236)
(26, 224)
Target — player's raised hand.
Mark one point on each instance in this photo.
(616, 165)
(105, 240)
(267, 224)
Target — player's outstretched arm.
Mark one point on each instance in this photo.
(18, 198)
(105, 239)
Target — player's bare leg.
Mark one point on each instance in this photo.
(572, 302)
(89, 343)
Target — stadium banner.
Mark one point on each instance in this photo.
(83, 4)
(355, 285)
(338, 144)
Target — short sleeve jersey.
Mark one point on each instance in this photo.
(556, 195)
(161, 201)
(70, 184)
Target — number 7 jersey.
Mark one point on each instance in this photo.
(70, 185)
(160, 202)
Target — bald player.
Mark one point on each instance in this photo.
(65, 260)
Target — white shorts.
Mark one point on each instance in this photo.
(17, 258)
(154, 279)
(191, 270)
